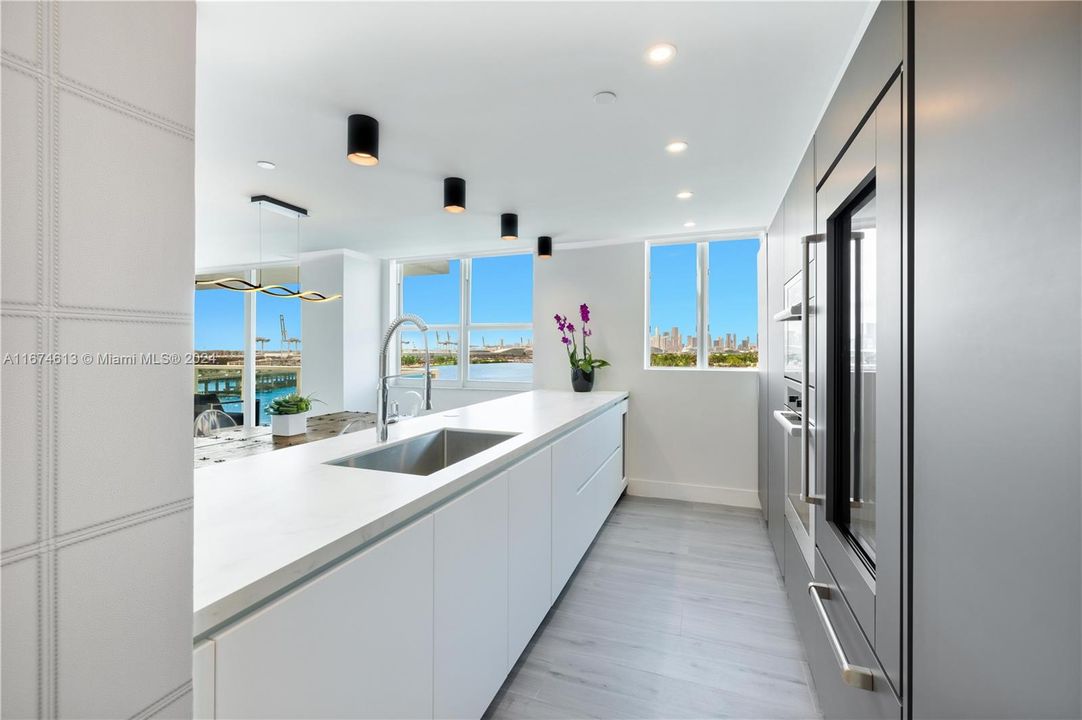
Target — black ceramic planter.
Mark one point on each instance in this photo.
(582, 381)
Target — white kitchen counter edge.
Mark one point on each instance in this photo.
(264, 523)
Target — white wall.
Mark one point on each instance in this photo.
(693, 434)
(341, 338)
(97, 257)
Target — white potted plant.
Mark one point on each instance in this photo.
(289, 414)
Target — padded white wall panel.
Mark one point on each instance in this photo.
(22, 168)
(97, 256)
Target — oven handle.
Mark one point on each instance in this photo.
(791, 428)
(852, 675)
(805, 367)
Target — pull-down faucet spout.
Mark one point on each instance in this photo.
(382, 389)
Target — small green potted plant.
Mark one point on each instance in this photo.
(582, 367)
(289, 414)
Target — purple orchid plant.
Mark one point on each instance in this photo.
(587, 362)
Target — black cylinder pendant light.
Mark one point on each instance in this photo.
(362, 145)
(544, 247)
(509, 226)
(454, 195)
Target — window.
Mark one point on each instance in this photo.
(432, 290)
(278, 348)
(480, 316)
(703, 304)
(221, 348)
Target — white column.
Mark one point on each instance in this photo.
(251, 419)
(340, 360)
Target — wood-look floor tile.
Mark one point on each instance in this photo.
(677, 611)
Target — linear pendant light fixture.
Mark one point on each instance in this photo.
(362, 144)
(509, 226)
(454, 195)
(544, 247)
(237, 284)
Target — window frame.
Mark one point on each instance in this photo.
(464, 326)
(702, 298)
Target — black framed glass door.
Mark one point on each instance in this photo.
(853, 502)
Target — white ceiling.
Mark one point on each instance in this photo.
(501, 95)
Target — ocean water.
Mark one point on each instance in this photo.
(498, 372)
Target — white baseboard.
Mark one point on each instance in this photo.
(693, 493)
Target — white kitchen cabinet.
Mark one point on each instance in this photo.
(355, 642)
(203, 681)
(607, 484)
(471, 581)
(581, 497)
(529, 486)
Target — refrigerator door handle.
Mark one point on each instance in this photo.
(805, 366)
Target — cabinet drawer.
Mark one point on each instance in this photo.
(836, 698)
(578, 455)
(578, 515)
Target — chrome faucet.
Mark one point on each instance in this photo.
(381, 392)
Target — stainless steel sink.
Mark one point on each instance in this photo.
(425, 454)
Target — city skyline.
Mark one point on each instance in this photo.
(673, 341)
(733, 288)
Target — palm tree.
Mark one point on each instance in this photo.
(262, 342)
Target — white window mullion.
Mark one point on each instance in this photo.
(399, 308)
(646, 309)
(248, 384)
(464, 322)
(703, 329)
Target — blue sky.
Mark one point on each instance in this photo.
(502, 293)
(219, 319)
(733, 288)
(498, 296)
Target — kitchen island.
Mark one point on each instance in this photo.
(304, 569)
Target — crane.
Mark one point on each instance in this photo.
(285, 335)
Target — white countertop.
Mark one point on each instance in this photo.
(264, 522)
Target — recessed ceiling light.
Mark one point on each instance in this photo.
(605, 97)
(677, 146)
(660, 54)
(684, 194)
(266, 164)
(689, 224)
